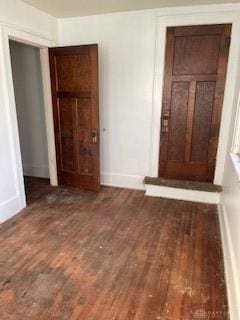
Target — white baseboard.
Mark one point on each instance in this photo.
(182, 194)
(36, 171)
(10, 208)
(231, 271)
(122, 181)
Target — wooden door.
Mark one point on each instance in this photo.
(195, 71)
(74, 77)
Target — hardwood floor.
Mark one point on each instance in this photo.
(116, 255)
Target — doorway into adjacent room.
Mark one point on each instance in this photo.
(29, 99)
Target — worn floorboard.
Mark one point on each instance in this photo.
(116, 255)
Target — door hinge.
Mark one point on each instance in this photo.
(227, 41)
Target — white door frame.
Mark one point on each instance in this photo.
(196, 16)
(23, 36)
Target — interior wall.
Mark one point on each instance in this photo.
(22, 19)
(126, 53)
(126, 61)
(23, 16)
(27, 80)
(230, 222)
(231, 234)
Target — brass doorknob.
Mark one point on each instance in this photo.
(165, 121)
(94, 136)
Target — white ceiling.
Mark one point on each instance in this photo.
(72, 8)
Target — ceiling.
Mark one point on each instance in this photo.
(72, 8)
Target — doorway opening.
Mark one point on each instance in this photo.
(29, 100)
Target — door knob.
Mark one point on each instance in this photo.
(94, 136)
(165, 121)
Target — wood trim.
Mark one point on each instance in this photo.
(71, 50)
(209, 29)
(189, 77)
(165, 100)
(95, 115)
(52, 62)
(218, 99)
(190, 116)
(80, 94)
(46, 82)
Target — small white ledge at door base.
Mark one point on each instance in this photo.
(182, 194)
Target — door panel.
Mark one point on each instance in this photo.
(202, 121)
(74, 73)
(178, 120)
(195, 71)
(74, 76)
(191, 56)
(66, 128)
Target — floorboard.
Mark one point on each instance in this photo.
(116, 255)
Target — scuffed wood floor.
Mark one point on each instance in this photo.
(118, 255)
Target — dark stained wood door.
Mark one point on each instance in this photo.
(195, 71)
(74, 77)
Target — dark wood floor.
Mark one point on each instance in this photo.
(118, 255)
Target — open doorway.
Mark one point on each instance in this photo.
(29, 99)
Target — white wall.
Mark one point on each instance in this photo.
(230, 217)
(22, 20)
(28, 90)
(126, 60)
(126, 49)
(20, 15)
(230, 223)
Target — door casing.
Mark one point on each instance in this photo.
(188, 18)
(22, 36)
